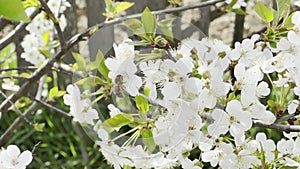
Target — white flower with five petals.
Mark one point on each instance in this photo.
(12, 158)
(79, 109)
(235, 120)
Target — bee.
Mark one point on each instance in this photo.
(118, 87)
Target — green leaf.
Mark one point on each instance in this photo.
(25, 74)
(166, 22)
(100, 64)
(46, 37)
(126, 167)
(136, 27)
(288, 24)
(53, 92)
(30, 3)
(149, 22)
(109, 6)
(13, 10)
(230, 5)
(91, 81)
(230, 97)
(166, 27)
(264, 13)
(239, 11)
(141, 103)
(80, 61)
(39, 126)
(262, 155)
(60, 94)
(94, 30)
(283, 8)
(139, 43)
(235, 10)
(273, 44)
(176, 2)
(45, 52)
(122, 6)
(119, 120)
(271, 103)
(72, 149)
(54, 43)
(147, 138)
(147, 91)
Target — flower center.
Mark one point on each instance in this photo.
(15, 162)
(232, 119)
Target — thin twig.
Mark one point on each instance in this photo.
(17, 109)
(67, 69)
(55, 21)
(13, 77)
(62, 112)
(275, 126)
(80, 37)
(218, 12)
(10, 37)
(18, 120)
(184, 8)
(280, 127)
(153, 102)
(29, 68)
(287, 117)
(35, 147)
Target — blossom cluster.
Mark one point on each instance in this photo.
(41, 32)
(196, 102)
(12, 158)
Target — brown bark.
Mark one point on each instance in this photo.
(104, 38)
(203, 23)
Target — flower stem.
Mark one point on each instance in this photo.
(124, 134)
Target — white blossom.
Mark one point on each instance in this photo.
(12, 158)
(111, 154)
(292, 106)
(238, 4)
(123, 65)
(266, 145)
(218, 154)
(79, 109)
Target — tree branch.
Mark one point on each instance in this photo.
(280, 127)
(80, 37)
(55, 21)
(51, 107)
(218, 12)
(238, 28)
(17, 109)
(67, 69)
(29, 68)
(275, 126)
(18, 120)
(12, 77)
(35, 147)
(287, 117)
(9, 38)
